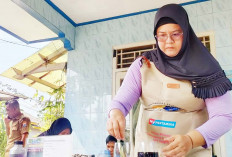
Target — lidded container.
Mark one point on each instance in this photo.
(17, 150)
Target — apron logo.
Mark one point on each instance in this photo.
(162, 123)
(151, 121)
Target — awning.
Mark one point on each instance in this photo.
(45, 70)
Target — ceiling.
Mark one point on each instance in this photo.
(85, 11)
(17, 22)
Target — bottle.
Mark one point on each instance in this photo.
(151, 154)
(116, 149)
(120, 149)
(105, 153)
(17, 150)
(141, 154)
(141, 147)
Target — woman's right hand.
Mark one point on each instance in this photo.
(7, 120)
(116, 124)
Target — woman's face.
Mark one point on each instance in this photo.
(65, 132)
(170, 39)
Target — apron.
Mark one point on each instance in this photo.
(155, 123)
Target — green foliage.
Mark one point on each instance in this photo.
(3, 136)
(52, 108)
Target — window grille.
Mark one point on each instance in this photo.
(206, 41)
(125, 56)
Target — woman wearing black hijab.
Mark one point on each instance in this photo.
(186, 105)
(61, 126)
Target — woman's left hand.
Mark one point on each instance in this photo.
(179, 146)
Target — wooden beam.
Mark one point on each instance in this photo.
(5, 98)
(33, 78)
(39, 78)
(48, 84)
(49, 67)
(18, 75)
(42, 57)
(51, 86)
(13, 95)
(48, 59)
(52, 57)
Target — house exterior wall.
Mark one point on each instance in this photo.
(89, 77)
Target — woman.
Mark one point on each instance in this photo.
(186, 104)
(61, 126)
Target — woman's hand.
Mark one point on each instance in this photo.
(7, 120)
(116, 124)
(179, 146)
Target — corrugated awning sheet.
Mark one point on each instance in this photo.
(44, 70)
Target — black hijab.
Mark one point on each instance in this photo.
(194, 62)
(57, 127)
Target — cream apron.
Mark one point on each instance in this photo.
(155, 124)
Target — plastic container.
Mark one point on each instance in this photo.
(105, 153)
(17, 150)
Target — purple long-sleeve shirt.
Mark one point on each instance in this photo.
(219, 108)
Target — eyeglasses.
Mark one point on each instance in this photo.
(174, 36)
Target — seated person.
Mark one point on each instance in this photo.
(61, 126)
(110, 141)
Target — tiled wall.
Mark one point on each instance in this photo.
(89, 82)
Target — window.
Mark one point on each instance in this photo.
(126, 55)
